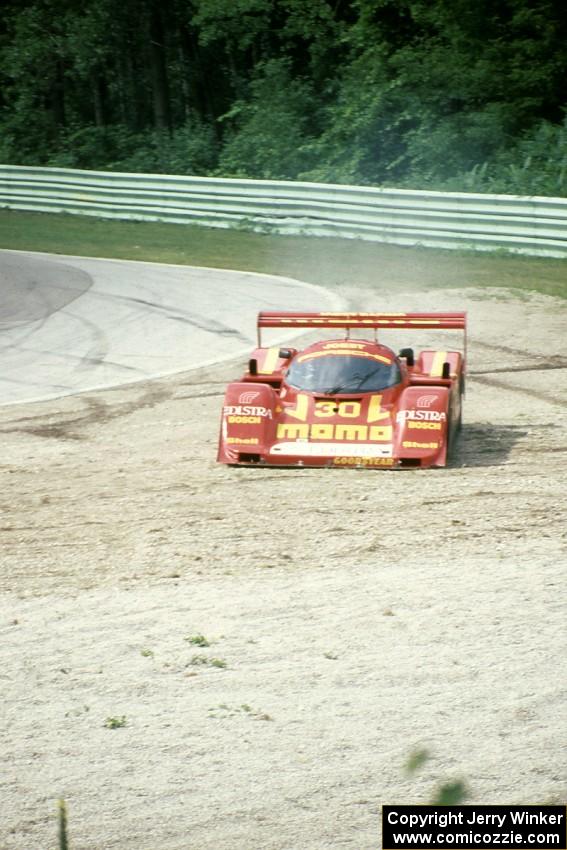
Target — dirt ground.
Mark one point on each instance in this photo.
(203, 658)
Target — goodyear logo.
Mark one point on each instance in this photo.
(364, 461)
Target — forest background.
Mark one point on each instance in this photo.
(466, 95)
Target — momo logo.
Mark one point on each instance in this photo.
(355, 432)
(426, 400)
(248, 397)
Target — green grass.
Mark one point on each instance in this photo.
(62, 818)
(198, 640)
(205, 661)
(327, 261)
(116, 722)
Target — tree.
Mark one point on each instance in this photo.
(398, 92)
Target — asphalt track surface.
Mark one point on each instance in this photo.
(72, 324)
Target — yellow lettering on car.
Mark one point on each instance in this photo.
(300, 409)
(244, 420)
(364, 461)
(292, 430)
(325, 408)
(374, 411)
(349, 409)
(380, 433)
(311, 355)
(346, 409)
(340, 431)
(351, 432)
(424, 426)
(321, 432)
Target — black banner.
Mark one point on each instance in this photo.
(465, 827)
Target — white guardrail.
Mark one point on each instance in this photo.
(528, 225)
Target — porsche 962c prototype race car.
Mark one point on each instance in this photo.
(346, 402)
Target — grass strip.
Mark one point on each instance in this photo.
(323, 260)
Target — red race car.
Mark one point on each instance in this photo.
(345, 402)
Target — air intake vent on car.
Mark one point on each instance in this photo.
(244, 457)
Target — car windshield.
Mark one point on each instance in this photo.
(334, 373)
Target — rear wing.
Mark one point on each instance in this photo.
(429, 321)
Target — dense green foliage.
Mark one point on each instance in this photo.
(455, 94)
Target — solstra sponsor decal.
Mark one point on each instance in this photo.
(421, 416)
(247, 410)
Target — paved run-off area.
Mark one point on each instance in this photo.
(70, 324)
(351, 616)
